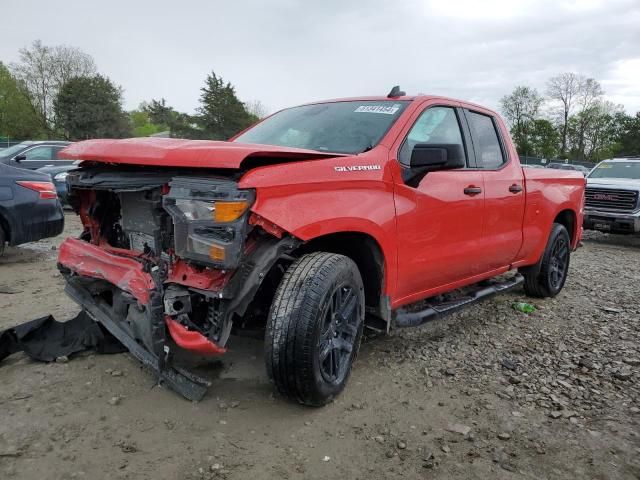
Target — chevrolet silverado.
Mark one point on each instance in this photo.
(313, 224)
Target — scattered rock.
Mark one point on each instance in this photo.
(116, 373)
(62, 359)
(555, 414)
(401, 444)
(508, 364)
(115, 400)
(458, 428)
(504, 436)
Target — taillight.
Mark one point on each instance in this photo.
(47, 190)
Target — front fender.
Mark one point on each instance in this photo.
(311, 211)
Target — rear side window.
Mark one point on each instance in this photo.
(485, 141)
(435, 126)
(39, 153)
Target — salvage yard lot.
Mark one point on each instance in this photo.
(487, 393)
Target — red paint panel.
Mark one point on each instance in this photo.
(192, 341)
(92, 261)
(317, 198)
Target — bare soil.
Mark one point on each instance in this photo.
(487, 393)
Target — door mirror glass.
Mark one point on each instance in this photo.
(443, 156)
(19, 158)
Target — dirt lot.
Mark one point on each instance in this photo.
(487, 393)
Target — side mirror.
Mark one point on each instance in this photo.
(429, 157)
(19, 158)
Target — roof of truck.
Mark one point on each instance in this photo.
(380, 98)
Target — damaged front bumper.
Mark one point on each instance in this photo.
(133, 296)
(90, 268)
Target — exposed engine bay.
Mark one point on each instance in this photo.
(170, 252)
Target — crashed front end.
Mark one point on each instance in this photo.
(167, 259)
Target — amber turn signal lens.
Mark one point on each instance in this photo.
(229, 211)
(216, 253)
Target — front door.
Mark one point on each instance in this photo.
(439, 220)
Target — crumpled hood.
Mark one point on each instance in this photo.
(174, 152)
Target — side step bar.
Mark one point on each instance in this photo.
(185, 383)
(404, 318)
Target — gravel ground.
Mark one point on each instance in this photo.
(486, 393)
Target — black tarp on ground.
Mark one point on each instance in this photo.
(46, 339)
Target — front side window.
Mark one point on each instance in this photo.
(629, 170)
(39, 153)
(485, 141)
(435, 126)
(338, 127)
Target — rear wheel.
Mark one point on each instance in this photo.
(314, 328)
(547, 278)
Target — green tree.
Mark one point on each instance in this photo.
(628, 135)
(43, 70)
(520, 108)
(222, 114)
(544, 139)
(91, 107)
(180, 125)
(142, 124)
(18, 119)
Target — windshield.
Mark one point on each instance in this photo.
(11, 151)
(629, 170)
(339, 127)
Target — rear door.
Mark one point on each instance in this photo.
(504, 192)
(439, 219)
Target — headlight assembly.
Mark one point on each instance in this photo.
(209, 219)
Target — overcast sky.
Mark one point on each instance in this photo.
(285, 52)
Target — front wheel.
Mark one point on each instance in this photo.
(314, 328)
(547, 278)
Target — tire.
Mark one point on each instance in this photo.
(547, 277)
(310, 346)
(3, 240)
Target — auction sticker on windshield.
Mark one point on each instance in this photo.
(388, 110)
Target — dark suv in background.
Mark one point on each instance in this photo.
(34, 154)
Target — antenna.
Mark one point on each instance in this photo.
(396, 92)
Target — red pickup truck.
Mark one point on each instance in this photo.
(313, 224)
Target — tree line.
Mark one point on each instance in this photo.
(57, 92)
(572, 120)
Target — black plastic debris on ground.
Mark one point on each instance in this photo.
(46, 339)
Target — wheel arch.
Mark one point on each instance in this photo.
(368, 255)
(568, 219)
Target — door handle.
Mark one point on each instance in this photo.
(515, 188)
(471, 190)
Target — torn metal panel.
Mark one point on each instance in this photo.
(126, 273)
